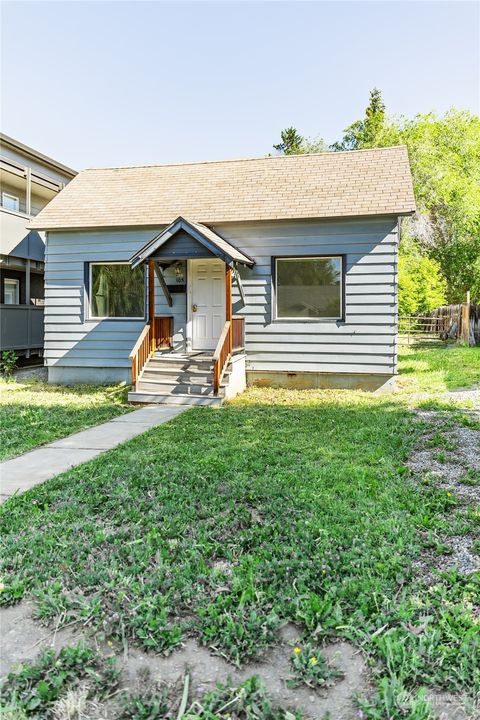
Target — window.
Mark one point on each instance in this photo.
(116, 291)
(309, 288)
(10, 202)
(11, 291)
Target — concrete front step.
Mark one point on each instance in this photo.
(145, 397)
(167, 387)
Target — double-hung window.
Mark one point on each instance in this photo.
(116, 291)
(309, 288)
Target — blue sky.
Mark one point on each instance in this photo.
(112, 83)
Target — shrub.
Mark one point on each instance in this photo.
(8, 362)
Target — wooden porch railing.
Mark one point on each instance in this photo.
(238, 332)
(222, 355)
(154, 335)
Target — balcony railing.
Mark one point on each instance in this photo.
(21, 327)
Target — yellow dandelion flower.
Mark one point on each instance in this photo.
(313, 660)
(297, 650)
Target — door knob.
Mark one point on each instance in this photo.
(194, 307)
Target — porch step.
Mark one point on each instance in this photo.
(181, 361)
(145, 397)
(173, 378)
(169, 387)
(190, 375)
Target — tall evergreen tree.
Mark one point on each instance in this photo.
(365, 133)
(291, 142)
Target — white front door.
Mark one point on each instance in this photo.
(207, 302)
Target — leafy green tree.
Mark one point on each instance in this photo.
(444, 156)
(421, 285)
(445, 160)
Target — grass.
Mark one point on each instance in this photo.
(439, 369)
(33, 413)
(225, 524)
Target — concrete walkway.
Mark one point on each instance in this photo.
(34, 467)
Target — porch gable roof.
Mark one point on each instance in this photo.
(202, 234)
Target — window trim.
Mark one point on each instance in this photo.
(341, 318)
(9, 280)
(89, 285)
(11, 197)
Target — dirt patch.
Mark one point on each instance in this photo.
(23, 638)
(206, 670)
(448, 706)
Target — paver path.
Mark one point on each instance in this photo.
(36, 466)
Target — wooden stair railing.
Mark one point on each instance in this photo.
(222, 355)
(154, 335)
(238, 332)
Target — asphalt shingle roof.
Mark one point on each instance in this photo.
(325, 185)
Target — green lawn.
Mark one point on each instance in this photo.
(438, 369)
(34, 413)
(224, 524)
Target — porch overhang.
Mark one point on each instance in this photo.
(202, 234)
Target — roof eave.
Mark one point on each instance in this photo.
(88, 228)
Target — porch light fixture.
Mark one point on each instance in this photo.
(179, 272)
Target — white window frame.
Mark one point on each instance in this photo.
(16, 283)
(298, 319)
(11, 197)
(90, 287)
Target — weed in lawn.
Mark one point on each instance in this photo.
(236, 628)
(36, 687)
(471, 477)
(150, 700)
(310, 667)
(439, 439)
(394, 702)
(249, 700)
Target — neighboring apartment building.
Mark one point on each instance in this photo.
(28, 181)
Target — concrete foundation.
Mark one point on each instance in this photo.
(322, 381)
(88, 375)
(237, 380)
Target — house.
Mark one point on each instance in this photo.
(28, 181)
(192, 279)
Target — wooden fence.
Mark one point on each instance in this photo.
(460, 323)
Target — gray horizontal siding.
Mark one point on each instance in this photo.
(70, 339)
(364, 343)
